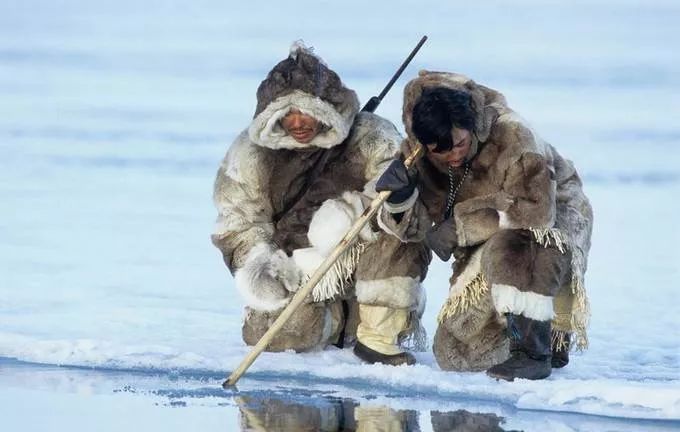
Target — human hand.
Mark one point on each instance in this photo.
(283, 269)
(442, 238)
(267, 277)
(399, 180)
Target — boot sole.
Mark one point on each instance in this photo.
(512, 378)
(500, 377)
(370, 356)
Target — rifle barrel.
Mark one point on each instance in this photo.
(374, 101)
(395, 77)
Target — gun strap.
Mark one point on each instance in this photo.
(313, 175)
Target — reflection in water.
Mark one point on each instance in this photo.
(258, 414)
(265, 414)
(465, 421)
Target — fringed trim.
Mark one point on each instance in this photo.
(580, 315)
(339, 276)
(560, 340)
(416, 336)
(472, 294)
(474, 291)
(547, 237)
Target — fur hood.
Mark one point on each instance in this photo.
(489, 103)
(304, 82)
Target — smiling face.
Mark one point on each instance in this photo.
(302, 127)
(455, 157)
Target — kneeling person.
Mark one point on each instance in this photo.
(513, 213)
(287, 191)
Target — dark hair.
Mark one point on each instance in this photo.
(437, 111)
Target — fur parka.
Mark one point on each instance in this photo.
(516, 181)
(283, 206)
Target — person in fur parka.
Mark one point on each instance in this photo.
(512, 212)
(287, 191)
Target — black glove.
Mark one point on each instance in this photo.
(442, 238)
(399, 180)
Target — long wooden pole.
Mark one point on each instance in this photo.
(300, 295)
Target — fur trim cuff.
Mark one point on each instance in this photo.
(255, 281)
(401, 292)
(385, 226)
(508, 299)
(266, 131)
(402, 207)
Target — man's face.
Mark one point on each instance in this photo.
(462, 140)
(301, 127)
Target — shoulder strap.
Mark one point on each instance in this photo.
(313, 175)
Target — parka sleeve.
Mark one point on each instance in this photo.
(383, 144)
(526, 199)
(379, 142)
(409, 225)
(244, 211)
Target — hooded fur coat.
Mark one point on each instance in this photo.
(523, 227)
(283, 206)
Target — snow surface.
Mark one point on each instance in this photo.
(114, 117)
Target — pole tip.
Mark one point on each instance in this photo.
(228, 385)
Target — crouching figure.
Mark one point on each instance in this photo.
(288, 189)
(512, 212)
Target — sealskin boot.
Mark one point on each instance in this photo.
(368, 355)
(560, 358)
(530, 352)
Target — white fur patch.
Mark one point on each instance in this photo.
(507, 298)
(472, 269)
(336, 279)
(255, 284)
(330, 224)
(327, 228)
(266, 131)
(503, 221)
(401, 292)
(333, 219)
(354, 199)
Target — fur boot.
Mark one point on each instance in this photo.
(530, 352)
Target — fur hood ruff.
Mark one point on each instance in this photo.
(304, 82)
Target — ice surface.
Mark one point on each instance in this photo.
(114, 117)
